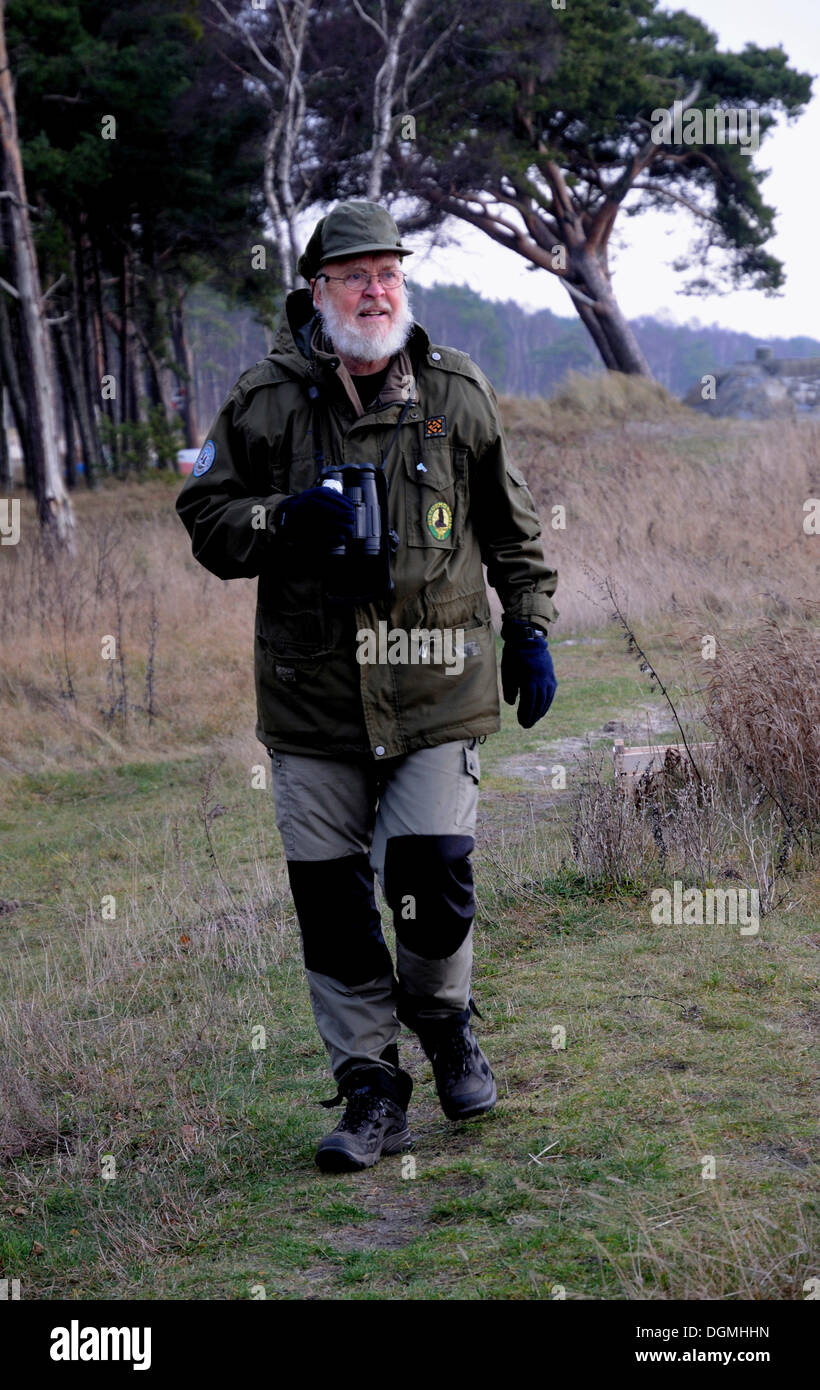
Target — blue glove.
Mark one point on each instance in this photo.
(318, 520)
(526, 667)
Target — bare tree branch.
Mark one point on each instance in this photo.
(415, 73)
(678, 198)
(248, 39)
(381, 29)
(57, 283)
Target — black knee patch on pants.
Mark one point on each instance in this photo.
(428, 882)
(340, 923)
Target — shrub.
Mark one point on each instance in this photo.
(763, 705)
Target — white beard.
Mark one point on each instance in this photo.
(368, 344)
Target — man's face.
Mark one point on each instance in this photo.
(367, 323)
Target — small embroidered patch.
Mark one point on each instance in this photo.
(439, 521)
(205, 458)
(436, 425)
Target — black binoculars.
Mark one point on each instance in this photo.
(359, 570)
(362, 492)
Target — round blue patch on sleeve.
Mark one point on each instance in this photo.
(207, 454)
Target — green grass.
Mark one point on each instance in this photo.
(134, 1038)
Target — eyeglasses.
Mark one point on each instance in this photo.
(360, 279)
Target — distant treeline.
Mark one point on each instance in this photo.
(528, 354)
(523, 354)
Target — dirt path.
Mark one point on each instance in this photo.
(636, 726)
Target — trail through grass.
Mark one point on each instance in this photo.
(155, 1148)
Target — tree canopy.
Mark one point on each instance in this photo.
(539, 126)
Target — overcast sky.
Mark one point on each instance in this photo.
(641, 254)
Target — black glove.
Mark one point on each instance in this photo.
(526, 666)
(317, 520)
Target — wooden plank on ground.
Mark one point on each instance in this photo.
(650, 758)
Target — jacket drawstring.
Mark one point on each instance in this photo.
(386, 454)
(318, 451)
(421, 466)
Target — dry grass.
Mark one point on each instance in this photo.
(583, 401)
(757, 1259)
(611, 841)
(182, 671)
(717, 833)
(698, 521)
(763, 704)
(748, 809)
(688, 516)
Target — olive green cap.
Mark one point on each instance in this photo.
(352, 228)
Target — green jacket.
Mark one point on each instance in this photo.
(313, 695)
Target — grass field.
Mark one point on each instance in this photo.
(152, 1147)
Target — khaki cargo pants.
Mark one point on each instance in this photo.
(410, 821)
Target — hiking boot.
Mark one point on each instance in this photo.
(464, 1081)
(374, 1122)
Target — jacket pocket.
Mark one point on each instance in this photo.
(436, 499)
(301, 633)
(292, 474)
(466, 610)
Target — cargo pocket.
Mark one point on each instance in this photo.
(516, 475)
(281, 807)
(436, 499)
(472, 762)
(468, 791)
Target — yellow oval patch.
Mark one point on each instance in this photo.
(439, 520)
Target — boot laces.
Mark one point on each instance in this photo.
(457, 1055)
(364, 1107)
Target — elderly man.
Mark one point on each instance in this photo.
(376, 678)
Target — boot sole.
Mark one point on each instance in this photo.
(334, 1158)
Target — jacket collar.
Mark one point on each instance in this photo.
(301, 346)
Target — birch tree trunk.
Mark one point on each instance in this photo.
(283, 179)
(53, 502)
(384, 88)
